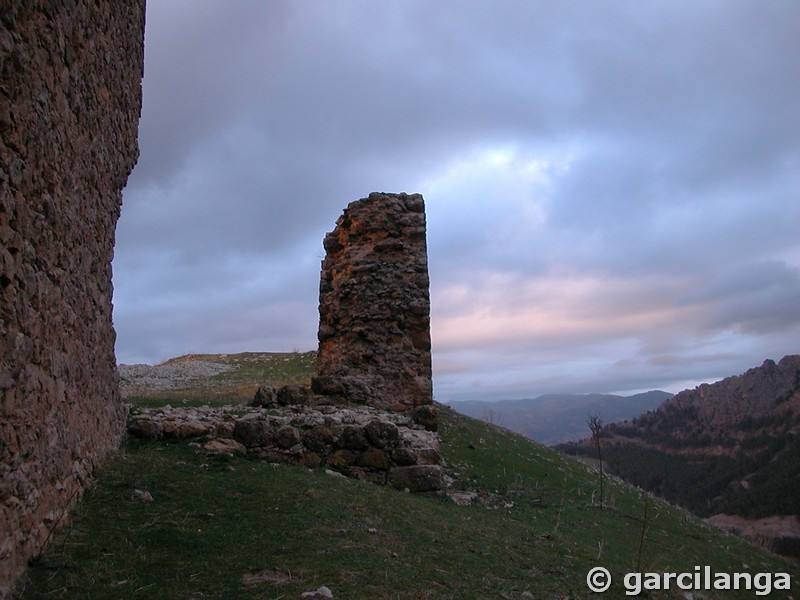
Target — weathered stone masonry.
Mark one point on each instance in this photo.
(70, 99)
(374, 330)
(369, 413)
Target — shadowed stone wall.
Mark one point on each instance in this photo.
(374, 305)
(70, 99)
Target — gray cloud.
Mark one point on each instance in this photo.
(756, 297)
(612, 189)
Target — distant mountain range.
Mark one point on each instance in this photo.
(556, 418)
(731, 448)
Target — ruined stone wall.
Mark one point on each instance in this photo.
(362, 442)
(374, 305)
(70, 99)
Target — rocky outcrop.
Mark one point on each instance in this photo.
(70, 98)
(374, 306)
(361, 442)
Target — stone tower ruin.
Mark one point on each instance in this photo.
(70, 99)
(374, 306)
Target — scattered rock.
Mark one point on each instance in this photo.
(419, 478)
(462, 498)
(143, 495)
(321, 592)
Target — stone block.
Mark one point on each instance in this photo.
(373, 458)
(294, 395)
(318, 438)
(382, 434)
(146, 429)
(266, 396)
(352, 438)
(253, 432)
(418, 478)
(287, 437)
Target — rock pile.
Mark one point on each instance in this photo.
(374, 306)
(361, 441)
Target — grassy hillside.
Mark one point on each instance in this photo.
(165, 520)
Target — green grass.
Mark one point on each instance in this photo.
(239, 529)
(238, 385)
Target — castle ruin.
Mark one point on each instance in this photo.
(374, 306)
(70, 100)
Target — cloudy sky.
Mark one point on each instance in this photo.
(612, 188)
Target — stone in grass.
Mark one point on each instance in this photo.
(321, 592)
(462, 498)
(266, 396)
(143, 495)
(418, 478)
